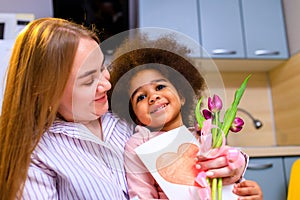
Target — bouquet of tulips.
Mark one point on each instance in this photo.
(213, 133)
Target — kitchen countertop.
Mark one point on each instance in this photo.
(272, 151)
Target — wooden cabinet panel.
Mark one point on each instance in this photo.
(256, 100)
(285, 82)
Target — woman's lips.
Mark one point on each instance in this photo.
(101, 99)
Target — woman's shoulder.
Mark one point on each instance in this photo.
(67, 128)
(111, 118)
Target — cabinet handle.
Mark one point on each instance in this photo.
(259, 166)
(265, 52)
(223, 52)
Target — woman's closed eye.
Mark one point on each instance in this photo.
(89, 82)
(93, 79)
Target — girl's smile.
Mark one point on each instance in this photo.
(158, 108)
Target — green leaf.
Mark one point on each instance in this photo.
(231, 111)
(199, 117)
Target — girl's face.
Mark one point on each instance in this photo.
(85, 96)
(155, 101)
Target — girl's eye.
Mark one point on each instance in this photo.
(140, 97)
(160, 87)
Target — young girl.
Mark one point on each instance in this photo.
(154, 82)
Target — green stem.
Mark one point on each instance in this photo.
(214, 188)
(220, 188)
(214, 130)
(208, 181)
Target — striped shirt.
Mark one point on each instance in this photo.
(70, 162)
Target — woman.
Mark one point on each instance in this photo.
(54, 145)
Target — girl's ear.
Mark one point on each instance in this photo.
(182, 99)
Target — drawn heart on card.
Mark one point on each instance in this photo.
(180, 167)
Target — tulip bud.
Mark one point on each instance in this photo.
(197, 128)
(207, 114)
(215, 104)
(237, 125)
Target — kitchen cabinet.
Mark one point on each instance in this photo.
(269, 174)
(221, 28)
(178, 15)
(288, 163)
(265, 35)
(272, 174)
(253, 29)
(292, 16)
(242, 29)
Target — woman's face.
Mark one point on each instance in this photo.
(154, 100)
(85, 97)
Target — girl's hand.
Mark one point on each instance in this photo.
(248, 190)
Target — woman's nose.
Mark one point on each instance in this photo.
(154, 98)
(104, 81)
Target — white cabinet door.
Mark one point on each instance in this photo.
(264, 25)
(221, 28)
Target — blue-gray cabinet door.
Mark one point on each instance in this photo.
(264, 27)
(288, 163)
(221, 28)
(269, 173)
(178, 15)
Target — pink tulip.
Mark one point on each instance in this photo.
(237, 125)
(215, 104)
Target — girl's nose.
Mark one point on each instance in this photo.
(154, 98)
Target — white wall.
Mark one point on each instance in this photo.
(5, 52)
(40, 8)
(292, 16)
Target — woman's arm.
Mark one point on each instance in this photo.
(40, 184)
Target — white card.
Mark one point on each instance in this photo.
(169, 157)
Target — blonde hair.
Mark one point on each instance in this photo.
(39, 68)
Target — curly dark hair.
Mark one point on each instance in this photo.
(165, 55)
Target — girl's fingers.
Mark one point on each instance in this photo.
(255, 197)
(247, 190)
